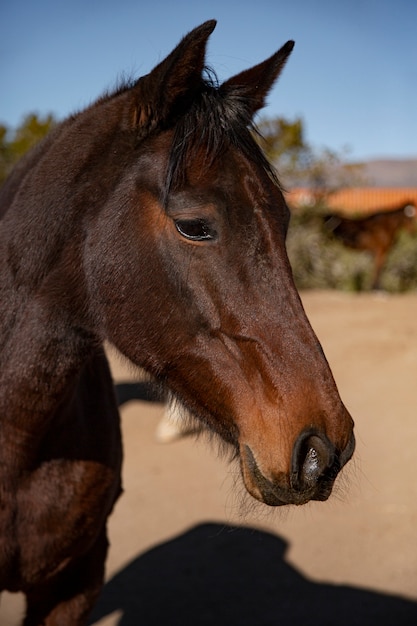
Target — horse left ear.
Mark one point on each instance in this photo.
(255, 83)
(173, 81)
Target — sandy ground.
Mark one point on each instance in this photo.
(188, 548)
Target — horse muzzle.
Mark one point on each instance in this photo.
(315, 464)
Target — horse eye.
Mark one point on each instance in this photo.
(196, 229)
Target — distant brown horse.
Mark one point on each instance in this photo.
(376, 233)
(153, 220)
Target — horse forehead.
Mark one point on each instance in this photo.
(232, 175)
(227, 181)
(236, 198)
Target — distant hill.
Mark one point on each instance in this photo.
(386, 173)
(390, 173)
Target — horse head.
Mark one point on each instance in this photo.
(188, 265)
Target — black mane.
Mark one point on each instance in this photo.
(213, 122)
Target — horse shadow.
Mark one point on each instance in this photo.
(216, 575)
(144, 390)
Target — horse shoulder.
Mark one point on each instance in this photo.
(75, 476)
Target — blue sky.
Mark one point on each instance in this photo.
(352, 76)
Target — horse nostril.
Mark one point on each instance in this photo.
(313, 455)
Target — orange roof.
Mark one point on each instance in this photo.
(360, 200)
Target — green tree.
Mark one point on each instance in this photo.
(283, 138)
(299, 164)
(15, 143)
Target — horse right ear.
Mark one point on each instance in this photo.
(255, 83)
(173, 81)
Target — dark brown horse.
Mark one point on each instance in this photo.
(151, 219)
(376, 233)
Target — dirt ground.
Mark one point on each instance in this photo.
(188, 548)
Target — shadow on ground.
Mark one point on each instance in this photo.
(145, 390)
(216, 575)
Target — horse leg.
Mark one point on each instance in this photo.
(175, 423)
(69, 598)
(379, 263)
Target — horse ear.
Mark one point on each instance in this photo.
(173, 80)
(255, 83)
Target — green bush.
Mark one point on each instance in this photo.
(400, 272)
(319, 261)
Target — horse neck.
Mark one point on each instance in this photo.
(43, 334)
(46, 332)
(47, 204)
(398, 216)
(40, 361)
